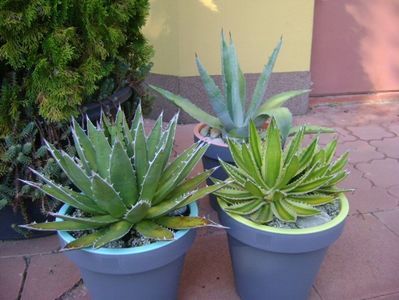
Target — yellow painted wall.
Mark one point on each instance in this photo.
(179, 28)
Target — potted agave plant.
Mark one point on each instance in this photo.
(233, 115)
(283, 211)
(130, 197)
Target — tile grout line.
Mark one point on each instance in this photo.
(387, 227)
(317, 291)
(68, 292)
(53, 252)
(382, 295)
(24, 275)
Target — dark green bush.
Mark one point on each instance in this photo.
(56, 55)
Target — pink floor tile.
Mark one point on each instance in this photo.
(362, 264)
(11, 277)
(49, 277)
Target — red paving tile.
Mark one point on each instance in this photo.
(394, 127)
(394, 296)
(11, 277)
(49, 277)
(207, 271)
(394, 191)
(359, 151)
(383, 173)
(388, 146)
(371, 200)
(29, 247)
(390, 219)
(370, 132)
(362, 264)
(355, 180)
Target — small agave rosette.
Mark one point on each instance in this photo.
(269, 181)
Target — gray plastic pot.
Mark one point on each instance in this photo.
(210, 159)
(274, 263)
(150, 272)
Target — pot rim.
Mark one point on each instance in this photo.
(197, 129)
(127, 251)
(290, 231)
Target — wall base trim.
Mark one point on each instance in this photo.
(191, 87)
(376, 97)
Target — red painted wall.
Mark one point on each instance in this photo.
(355, 47)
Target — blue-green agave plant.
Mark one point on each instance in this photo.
(126, 182)
(232, 112)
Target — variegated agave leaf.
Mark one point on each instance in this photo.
(286, 183)
(126, 181)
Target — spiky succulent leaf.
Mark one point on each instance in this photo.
(123, 131)
(101, 146)
(61, 226)
(193, 110)
(272, 157)
(74, 172)
(125, 182)
(261, 84)
(106, 197)
(140, 154)
(84, 241)
(310, 129)
(168, 205)
(283, 118)
(114, 232)
(263, 215)
(234, 83)
(200, 193)
(84, 147)
(246, 207)
(280, 99)
(122, 175)
(295, 179)
(215, 96)
(137, 212)
(96, 220)
(154, 139)
(182, 222)
(152, 230)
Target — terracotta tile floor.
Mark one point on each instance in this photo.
(362, 264)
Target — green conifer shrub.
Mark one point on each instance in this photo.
(56, 55)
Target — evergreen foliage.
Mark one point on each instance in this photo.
(56, 55)
(21, 151)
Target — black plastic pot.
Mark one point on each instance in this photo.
(210, 159)
(273, 263)
(9, 219)
(150, 272)
(109, 105)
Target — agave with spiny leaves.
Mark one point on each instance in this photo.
(232, 115)
(286, 183)
(126, 182)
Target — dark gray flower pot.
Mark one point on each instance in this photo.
(150, 272)
(210, 159)
(273, 263)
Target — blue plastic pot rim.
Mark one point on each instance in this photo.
(127, 251)
(334, 222)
